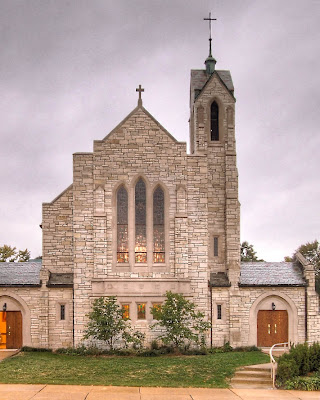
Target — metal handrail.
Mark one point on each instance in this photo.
(273, 361)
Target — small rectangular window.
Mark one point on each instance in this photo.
(219, 311)
(216, 246)
(125, 311)
(141, 309)
(62, 312)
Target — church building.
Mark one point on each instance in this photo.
(142, 217)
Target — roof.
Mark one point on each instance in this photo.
(60, 280)
(219, 279)
(271, 274)
(199, 78)
(20, 274)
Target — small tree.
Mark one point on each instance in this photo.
(311, 252)
(181, 323)
(23, 255)
(106, 323)
(248, 253)
(7, 252)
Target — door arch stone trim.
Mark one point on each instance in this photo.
(16, 303)
(281, 300)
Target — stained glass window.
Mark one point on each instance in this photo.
(214, 121)
(140, 222)
(141, 309)
(158, 226)
(125, 311)
(122, 225)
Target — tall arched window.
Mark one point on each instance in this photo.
(158, 226)
(214, 132)
(122, 226)
(140, 222)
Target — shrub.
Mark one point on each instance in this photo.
(35, 349)
(246, 348)
(286, 370)
(106, 323)
(303, 383)
(301, 360)
(180, 322)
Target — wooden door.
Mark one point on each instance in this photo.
(14, 329)
(272, 327)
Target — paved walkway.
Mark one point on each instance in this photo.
(65, 392)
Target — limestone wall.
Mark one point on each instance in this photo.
(57, 233)
(239, 323)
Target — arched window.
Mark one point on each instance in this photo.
(214, 132)
(140, 222)
(158, 226)
(122, 226)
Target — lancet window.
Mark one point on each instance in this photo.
(122, 226)
(140, 225)
(214, 130)
(158, 226)
(140, 222)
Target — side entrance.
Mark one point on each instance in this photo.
(272, 327)
(10, 330)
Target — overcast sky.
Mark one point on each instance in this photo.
(68, 74)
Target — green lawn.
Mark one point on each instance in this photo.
(166, 371)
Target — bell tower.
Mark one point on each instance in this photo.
(212, 135)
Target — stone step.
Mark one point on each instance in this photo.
(251, 386)
(252, 377)
(253, 374)
(251, 380)
(252, 368)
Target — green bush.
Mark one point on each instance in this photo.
(286, 370)
(226, 348)
(35, 349)
(301, 360)
(303, 383)
(246, 348)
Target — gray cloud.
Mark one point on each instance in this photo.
(68, 73)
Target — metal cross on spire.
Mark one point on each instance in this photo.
(210, 38)
(140, 90)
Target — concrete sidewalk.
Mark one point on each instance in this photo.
(68, 392)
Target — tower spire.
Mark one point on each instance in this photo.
(210, 61)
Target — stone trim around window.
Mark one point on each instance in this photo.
(132, 265)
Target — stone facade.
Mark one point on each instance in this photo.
(201, 233)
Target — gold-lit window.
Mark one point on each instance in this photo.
(140, 222)
(122, 226)
(156, 306)
(125, 311)
(158, 226)
(141, 310)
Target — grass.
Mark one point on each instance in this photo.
(167, 371)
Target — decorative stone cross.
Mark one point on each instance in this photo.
(140, 90)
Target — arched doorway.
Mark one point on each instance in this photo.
(272, 327)
(275, 312)
(10, 329)
(15, 321)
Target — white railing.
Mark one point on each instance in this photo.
(273, 361)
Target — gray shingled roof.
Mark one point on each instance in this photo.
(199, 78)
(271, 274)
(20, 274)
(219, 279)
(60, 280)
